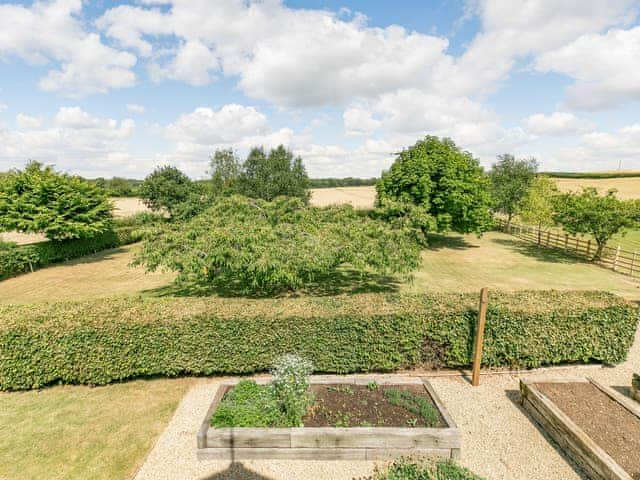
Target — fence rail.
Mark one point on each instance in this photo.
(617, 259)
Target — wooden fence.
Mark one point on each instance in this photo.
(617, 259)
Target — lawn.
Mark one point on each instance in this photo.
(501, 261)
(103, 274)
(72, 432)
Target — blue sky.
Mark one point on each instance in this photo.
(108, 88)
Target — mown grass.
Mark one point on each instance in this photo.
(70, 433)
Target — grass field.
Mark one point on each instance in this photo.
(79, 433)
(105, 273)
(628, 188)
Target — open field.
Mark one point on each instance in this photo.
(77, 433)
(628, 188)
(359, 197)
(101, 274)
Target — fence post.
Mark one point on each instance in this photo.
(615, 259)
(477, 354)
(548, 236)
(566, 242)
(588, 248)
(633, 263)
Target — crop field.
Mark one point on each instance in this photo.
(628, 188)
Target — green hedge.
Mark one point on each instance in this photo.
(106, 340)
(18, 259)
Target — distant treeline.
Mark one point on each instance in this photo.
(127, 187)
(592, 174)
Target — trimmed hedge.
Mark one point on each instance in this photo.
(18, 259)
(101, 341)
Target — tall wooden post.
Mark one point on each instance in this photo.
(615, 260)
(477, 353)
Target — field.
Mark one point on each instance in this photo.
(76, 433)
(628, 188)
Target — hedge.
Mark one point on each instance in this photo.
(106, 340)
(18, 259)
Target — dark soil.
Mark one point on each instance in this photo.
(611, 426)
(344, 405)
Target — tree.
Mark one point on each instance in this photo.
(265, 247)
(539, 204)
(601, 216)
(40, 200)
(448, 186)
(225, 171)
(510, 180)
(277, 174)
(166, 188)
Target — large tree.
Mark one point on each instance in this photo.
(225, 171)
(278, 173)
(438, 187)
(261, 246)
(165, 189)
(510, 180)
(538, 206)
(40, 200)
(601, 216)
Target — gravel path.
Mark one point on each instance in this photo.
(499, 440)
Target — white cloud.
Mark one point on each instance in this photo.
(3, 107)
(606, 68)
(52, 33)
(74, 141)
(27, 122)
(558, 123)
(135, 108)
(358, 121)
(192, 65)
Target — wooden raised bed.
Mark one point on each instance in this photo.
(572, 439)
(329, 443)
(635, 387)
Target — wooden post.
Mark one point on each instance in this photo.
(588, 248)
(615, 259)
(548, 235)
(477, 353)
(566, 241)
(633, 263)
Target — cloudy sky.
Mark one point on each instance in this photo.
(105, 88)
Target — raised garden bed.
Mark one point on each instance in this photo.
(350, 419)
(635, 387)
(596, 426)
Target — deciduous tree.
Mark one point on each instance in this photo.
(40, 200)
(510, 180)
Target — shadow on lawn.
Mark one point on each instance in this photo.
(343, 282)
(542, 254)
(236, 471)
(448, 242)
(514, 396)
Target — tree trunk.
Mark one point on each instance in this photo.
(509, 215)
(599, 250)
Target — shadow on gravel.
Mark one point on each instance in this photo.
(236, 471)
(514, 396)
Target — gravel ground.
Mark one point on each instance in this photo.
(499, 440)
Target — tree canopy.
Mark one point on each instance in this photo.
(165, 189)
(439, 186)
(272, 175)
(265, 246)
(510, 181)
(601, 216)
(225, 171)
(40, 200)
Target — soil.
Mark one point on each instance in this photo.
(611, 426)
(343, 405)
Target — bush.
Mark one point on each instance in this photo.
(105, 340)
(18, 259)
(424, 469)
(290, 384)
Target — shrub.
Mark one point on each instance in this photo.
(290, 385)
(424, 469)
(105, 340)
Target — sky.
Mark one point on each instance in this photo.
(116, 88)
